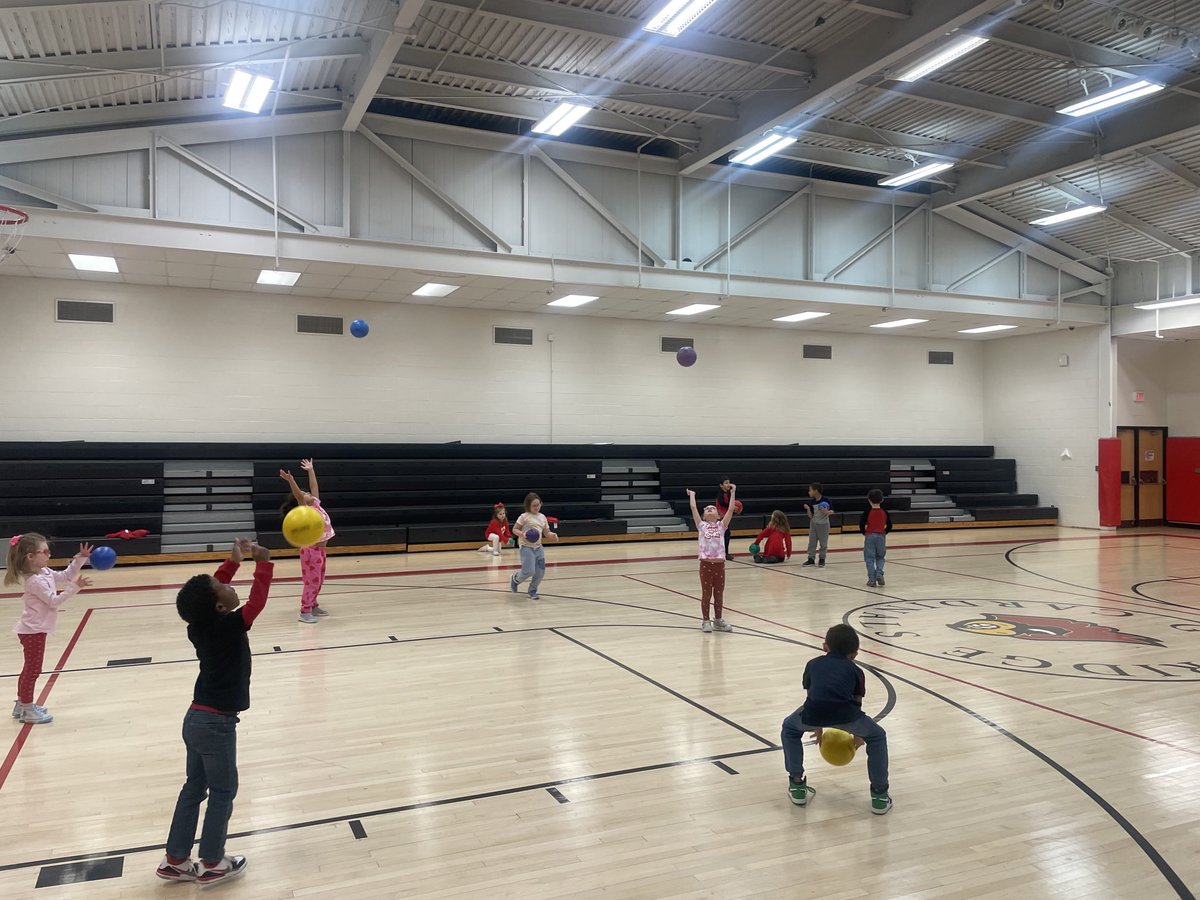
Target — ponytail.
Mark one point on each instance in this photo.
(19, 547)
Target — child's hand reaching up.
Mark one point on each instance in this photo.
(85, 551)
(259, 553)
(83, 581)
(306, 465)
(691, 494)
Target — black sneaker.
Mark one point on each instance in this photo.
(879, 581)
(227, 869)
(809, 562)
(821, 564)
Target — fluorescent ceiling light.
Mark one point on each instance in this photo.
(562, 117)
(771, 143)
(572, 300)
(676, 16)
(918, 174)
(948, 55)
(984, 329)
(274, 276)
(694, 309)
(1126, 93)
(1070, 215)
(247, 91)
(433, 289)
(1167, 304)
(899, 323)
(93, 263)
(800, 317)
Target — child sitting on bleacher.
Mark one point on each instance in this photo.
(498, 533)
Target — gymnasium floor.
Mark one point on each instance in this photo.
(438, 736)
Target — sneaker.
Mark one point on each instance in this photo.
(228, 868)
(36, 715)
(879, 581)
(320, 611)
(809, 562)
(706, 626)
(495, 551)
(512, 583)
(484, 549)
(821, 564)
(880, 803)
(722, 625)
(169, 871)
(533, 595)
(870, 584)
(308, 618)
(799, 792)
(16, 709)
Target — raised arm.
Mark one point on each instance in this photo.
(291, 483)
(695, 512)
(307, 466)
(732, 503)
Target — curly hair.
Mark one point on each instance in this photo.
(196, 601)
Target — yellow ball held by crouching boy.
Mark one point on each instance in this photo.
(837, 746)
(303, 526)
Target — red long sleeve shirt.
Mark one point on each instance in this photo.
(774, 543)
(223, 647)
(500, 528)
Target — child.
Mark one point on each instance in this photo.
(498, 533)
(726, 502)
(836, 687)
(217, 628)
(711, 532)
(533, 555)
(874, 524)
(45, 593)
(312, 559)
(774, 541)
(819, 512)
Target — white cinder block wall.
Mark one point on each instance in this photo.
(1035, 409)
(1141, 366)
(184, 364)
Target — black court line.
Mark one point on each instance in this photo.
(133, 661)
(497, 628)
(557, 795)
(356, 829)
(277, 649)
(392, 637)
(724, 768)
(73, 873)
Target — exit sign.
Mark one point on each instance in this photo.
(1139, 396)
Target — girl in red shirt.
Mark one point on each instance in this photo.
(774, 541)
(498, 531)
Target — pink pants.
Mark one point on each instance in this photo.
(312, 570)
(34, 646)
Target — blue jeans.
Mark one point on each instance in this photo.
(211, 741)
(874, 550)
(533, 565)
(864, 727)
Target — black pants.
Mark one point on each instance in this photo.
(759, 558)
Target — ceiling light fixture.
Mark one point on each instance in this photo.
(984, 329)
(770, 144)
(676, 16)
(800, 317)
(572, 300)
(85, 263)
(562, 117)
(694, 309)
(948, 55)
(918, 174)
(1167, 304)
(433, 289)
(1070, 215)
(899, 323)
(247, 91)
(276, 277)
(1125, 93)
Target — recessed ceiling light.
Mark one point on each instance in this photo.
(247, 92)
(433, 289)
(572, 300)
(694, 309)
(952, 52)
(562, 117)
(1069, 215)
(86, 263)
(800, 317)
(984, 329)
(899, 323)
(1125, 93)
(1167, 304)
(918, 174)
(274, 276)
(676, 16)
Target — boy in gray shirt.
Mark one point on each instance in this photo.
(819, 512)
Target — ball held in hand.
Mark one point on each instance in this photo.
(533, 535)
(837, 746)
(754, 548)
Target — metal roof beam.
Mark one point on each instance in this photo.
(1176, 170)
(915, 144)
(1129, 220)
(752, 227)
(378, 62)
(980, 269)
(37, 193)
(839, 70)
(891, 9)
(873, 243)
(563, 84)
(523, 108)
(845, 159)
(588, 22)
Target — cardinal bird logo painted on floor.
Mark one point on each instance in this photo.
(1048, 628)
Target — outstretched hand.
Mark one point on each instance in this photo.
(260, 553)
(306, 465)
(85, 551)
(286, 476)
(83, 581)
(691, 494)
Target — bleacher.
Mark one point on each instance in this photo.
(194, 498)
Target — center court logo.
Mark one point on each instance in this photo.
(1067, 639)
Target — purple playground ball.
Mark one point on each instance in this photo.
(686, 356)
(533, 535)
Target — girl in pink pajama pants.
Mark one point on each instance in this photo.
(312, 559)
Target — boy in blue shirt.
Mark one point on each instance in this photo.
(836, 687)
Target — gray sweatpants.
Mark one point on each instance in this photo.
(818, 532)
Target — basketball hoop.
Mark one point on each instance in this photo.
(12, 224)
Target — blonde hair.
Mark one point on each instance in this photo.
(780, 522)
(17, 551)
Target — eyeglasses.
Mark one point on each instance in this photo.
(46, 551)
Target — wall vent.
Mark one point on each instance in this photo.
(941, 357)
(818, 351)
(83, 311)
(318, 324)
(521, 336)
(674, 344)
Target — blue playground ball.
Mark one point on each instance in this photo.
(532, 535)
(103, 558)
(824, 504)
(686, 356)
(359, 328)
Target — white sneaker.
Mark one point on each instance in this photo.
(36, 715)
(495, 551)
(320, 611)
(706, 626)
(228, 868)
(308, 618)
(484, 549)
(722, 625)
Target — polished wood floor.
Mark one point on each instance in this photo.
(440, 737)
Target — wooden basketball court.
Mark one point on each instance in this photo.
(439, 736)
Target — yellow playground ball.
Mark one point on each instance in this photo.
(303, 526)
(837, 746)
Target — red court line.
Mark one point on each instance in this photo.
(23, 735)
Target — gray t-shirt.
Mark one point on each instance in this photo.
(819, 516)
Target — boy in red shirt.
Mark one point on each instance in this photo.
(874, 524)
